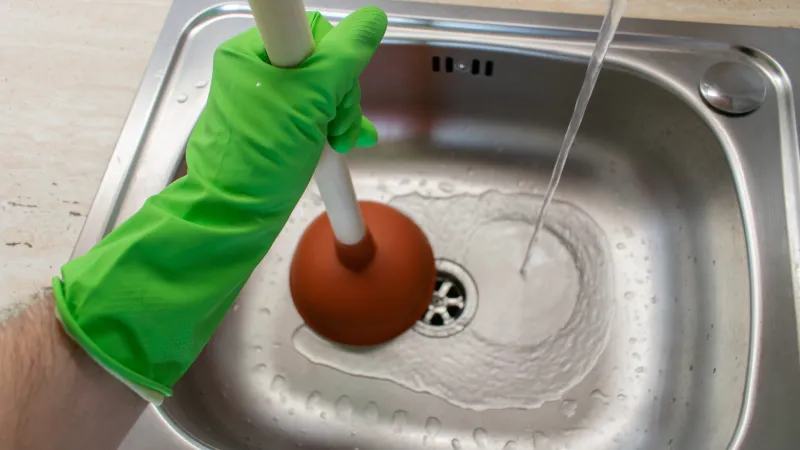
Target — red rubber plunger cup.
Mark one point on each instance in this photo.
(367, 293)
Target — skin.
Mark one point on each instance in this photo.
(52, 394)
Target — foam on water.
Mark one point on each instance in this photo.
(532, 338)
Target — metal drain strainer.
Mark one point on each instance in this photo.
(454, 302)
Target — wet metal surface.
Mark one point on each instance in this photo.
(733, 88)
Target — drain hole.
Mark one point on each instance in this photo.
(476, 67)
(448, 303)
(454, 311)
(448, 64)
(489, 70)
(453, 304)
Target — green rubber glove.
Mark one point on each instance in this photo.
(146, 299)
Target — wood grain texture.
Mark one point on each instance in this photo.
(68, 74)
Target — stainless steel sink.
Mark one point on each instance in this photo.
(662, 309)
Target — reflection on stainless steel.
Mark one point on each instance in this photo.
(733, 87)
(689, 217)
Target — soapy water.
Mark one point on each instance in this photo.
(607, 31)
(532, 338)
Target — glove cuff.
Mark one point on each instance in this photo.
(150, 390)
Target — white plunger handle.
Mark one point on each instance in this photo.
(287, 38)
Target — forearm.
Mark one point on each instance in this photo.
(52, 394)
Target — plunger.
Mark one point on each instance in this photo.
(362, 273)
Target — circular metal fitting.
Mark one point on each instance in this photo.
(733, 88)
(454, 302)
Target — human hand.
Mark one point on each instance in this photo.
(146, 299)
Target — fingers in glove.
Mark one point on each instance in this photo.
(348, 112)
(361, 134)
(368, 135)
(349, 47)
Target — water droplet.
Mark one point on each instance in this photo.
(278, 384)
(432, 426)
(344, 408)
(597, 394)
(621, 246)
(510, 445)
(265, 311)
(569, 408)
(258, 348)
(456, 444)
(371, 412)
(275, 419)
(446, 187)
(636, 355)
(621, 397)
(181, 98)
(399, 420)
(632, 340)
(261, 367)
(312, 402)
(640, 369)
(539, 439)
(201, 84)
(628, 232)
(481, 437)
(235, 307)
(629, 295)
(423, 183)
(258, 84)
(323, 415)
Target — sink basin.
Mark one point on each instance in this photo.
(661, 308)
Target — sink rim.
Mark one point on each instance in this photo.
(523, 26)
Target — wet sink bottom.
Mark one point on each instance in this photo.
(532, 337)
